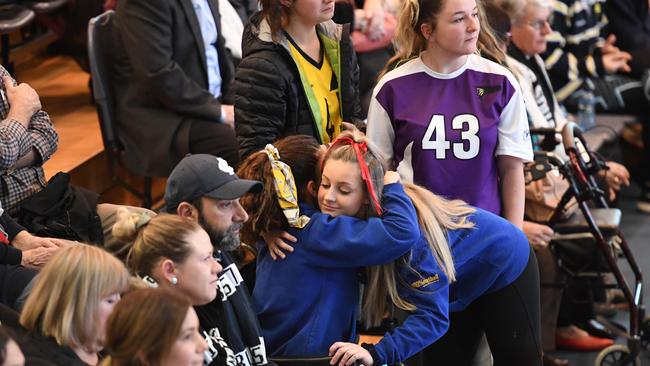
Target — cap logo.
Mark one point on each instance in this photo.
(224, 167)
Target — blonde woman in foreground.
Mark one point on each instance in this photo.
(65, 314)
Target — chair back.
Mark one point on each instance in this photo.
(100, 33)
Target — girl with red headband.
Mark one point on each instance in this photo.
(490, 285)
(308, 301)
(495, 290)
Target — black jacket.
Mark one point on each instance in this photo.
(9, 228)
(40, 350)
(232, 314)
(630, 21)
(270, 101)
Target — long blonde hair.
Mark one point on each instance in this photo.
(436, 215)
(410, 41)
(68, 291)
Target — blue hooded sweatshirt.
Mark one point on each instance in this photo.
(487, 258)
(310, 300)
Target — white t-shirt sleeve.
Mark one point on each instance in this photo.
(513, 131)
(379, 129)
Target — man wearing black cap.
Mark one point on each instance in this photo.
(205, 188)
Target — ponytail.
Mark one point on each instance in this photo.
(408, 39)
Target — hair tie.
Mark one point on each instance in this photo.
(143, 219)
(149, 281)
(285, 188)
(361, 148)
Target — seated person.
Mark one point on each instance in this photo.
(171, 78)
(529, 31)
(15, 278)
(18, 246)
(629, 21)
(154, 327)
(205, 189)
(27, 140)
(175, 253)
(86, 282)
(579, 59)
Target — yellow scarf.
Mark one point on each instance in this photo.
(285, 188)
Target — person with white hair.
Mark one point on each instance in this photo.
(529, 31)
(581, 57)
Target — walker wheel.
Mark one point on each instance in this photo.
(612, 356)
(644, 334)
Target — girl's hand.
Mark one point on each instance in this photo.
(538, 235)
(348, 126)
(391, 177)
(346, 354)
(277, 244)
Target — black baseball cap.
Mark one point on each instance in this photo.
(200, 175)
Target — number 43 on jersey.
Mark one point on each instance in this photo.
(435, 137)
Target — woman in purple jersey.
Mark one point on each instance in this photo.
(449, 119)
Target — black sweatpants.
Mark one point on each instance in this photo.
(511, 322)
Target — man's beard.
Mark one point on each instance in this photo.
(226, 241)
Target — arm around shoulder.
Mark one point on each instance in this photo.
(346, 241)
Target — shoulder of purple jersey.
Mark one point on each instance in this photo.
(410, 67)
(482, 64)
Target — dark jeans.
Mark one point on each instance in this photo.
(207, 137)
(510, 319)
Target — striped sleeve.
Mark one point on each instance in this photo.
(573, 51)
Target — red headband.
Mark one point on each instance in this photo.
(360, 149)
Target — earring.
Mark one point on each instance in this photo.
(174, 280)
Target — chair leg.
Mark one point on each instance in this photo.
(146, 193)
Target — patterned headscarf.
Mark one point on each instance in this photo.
(285, 188)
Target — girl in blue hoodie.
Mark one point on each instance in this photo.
(310, 300)
(494, 282)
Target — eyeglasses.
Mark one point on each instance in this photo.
(539, 24)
